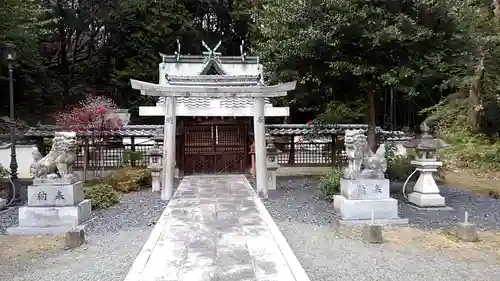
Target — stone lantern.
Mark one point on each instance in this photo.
(272, 164)
(426, 192)
(155, 166)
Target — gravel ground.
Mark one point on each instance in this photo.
(114, 236)
(297, 199)
(309, 225)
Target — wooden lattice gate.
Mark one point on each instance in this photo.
(215, 148)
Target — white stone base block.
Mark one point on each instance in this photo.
(50, 220)
(383, 210)
(3, 204)
(426, 200)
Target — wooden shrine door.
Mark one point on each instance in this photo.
(215, 148)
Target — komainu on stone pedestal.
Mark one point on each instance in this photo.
(56, 201)
(58, 163)
(364, 190)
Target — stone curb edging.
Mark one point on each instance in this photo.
(293, 263)
(142, 259)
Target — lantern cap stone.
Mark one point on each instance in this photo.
(426, 141)
(155, 151)
(158, 135)
(271, 148)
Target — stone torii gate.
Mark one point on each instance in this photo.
(172, 92)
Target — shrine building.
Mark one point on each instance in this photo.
(209, 102)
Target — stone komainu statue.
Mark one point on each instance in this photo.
(375, 164)
(358, 155)
(36, 157)
(58, 163)
(355, 146)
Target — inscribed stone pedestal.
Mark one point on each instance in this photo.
(52, 209)
(361, 199)
(55, 194)
(364, 192)
(369, 189)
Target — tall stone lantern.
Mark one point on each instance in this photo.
(426, 192)
(155, 159)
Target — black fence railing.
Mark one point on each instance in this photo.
(110, 156)
(294, 149)
(303, 151)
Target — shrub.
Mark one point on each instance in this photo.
(399, 168)
(130, 179)
(92, 182)
(102, 196)
(130, 156)
(329, 184)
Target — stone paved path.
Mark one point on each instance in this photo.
(216, 228)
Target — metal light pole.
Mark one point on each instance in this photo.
(10, 53)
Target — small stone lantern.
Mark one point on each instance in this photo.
(426, 192)
(272, 164)
(155, 166)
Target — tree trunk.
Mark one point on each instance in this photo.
(372, 138)
(497, 9)
(475, 91)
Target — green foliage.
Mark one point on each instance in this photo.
(399, 168)
(130, 156)
(340, 50)
(144, 29)
(344, 112)
(329, 184)
(467, 150)
(130, 179)
(68, 49)
(102, 196)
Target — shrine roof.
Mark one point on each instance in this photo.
(203, 58)
(200, 65)
(211, 80)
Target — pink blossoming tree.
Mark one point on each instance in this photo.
(94, 120)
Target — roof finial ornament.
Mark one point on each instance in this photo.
(242, 52)
(178, 52)
(211, 53)
(261, 72)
